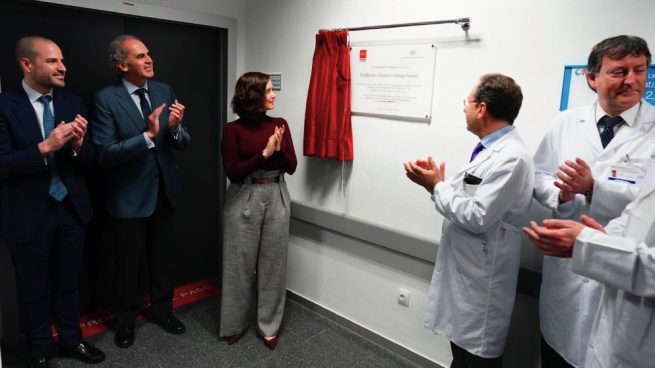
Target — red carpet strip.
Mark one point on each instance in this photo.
(101, 321)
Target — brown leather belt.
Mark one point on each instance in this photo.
(275, 179)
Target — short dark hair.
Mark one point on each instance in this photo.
(25, 47)
(249, 95)
(502, 96)
(617, 47)
(116, 52)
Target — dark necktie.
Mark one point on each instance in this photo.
(57, 189)
(609, 122)
(478, 148)
(145, 106)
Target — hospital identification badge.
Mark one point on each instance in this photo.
(626, 172)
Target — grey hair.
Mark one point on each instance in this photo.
(116, 53)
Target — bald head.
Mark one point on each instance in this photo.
(42, 63)
(27, 47)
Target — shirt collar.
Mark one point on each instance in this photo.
(32, 94)
(628, 115)
(489, 139)
(131, 87)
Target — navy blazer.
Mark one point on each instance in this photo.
(132, 169)
(24, 176)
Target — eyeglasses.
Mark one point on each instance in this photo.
(466, 102)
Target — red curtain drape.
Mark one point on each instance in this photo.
(328, 128)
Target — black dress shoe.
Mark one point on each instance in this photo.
(170, 324)
(84, 352)
(40, 363)
(124, 337)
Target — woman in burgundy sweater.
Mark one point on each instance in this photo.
(257, 150)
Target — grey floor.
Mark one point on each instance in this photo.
(306, 340)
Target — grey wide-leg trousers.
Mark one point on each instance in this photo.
(255, 237)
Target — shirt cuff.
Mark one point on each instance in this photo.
(149, 143)
(176, 133)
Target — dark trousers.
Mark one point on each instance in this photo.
(464, 359)
(47, 279)
(550, 358)
(138, 239)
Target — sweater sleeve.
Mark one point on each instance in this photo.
(286, 156)
(236, 168)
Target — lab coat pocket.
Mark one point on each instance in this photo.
(470, 189)
(470, 256)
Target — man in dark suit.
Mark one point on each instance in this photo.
(45, 203)
(136, 126)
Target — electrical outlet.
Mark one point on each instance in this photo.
(403, 297)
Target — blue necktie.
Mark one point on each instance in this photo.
(608, 133)
(57, 188)
(478, 148)
(145, 106)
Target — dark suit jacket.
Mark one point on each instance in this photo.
(132, 169)
(24, 176)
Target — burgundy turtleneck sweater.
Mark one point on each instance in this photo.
(243, 143)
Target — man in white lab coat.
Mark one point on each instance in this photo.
(623, 260)
(592, 161)
(484, 205)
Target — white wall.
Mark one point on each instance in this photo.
(528, 40)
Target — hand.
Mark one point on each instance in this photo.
(280, 132)
(575, 178)
(556, 238)
(425, 173)
(79, 130)
(153, 122)
(565, 196)
(425, 164)
(588, 221)
(274, 142)
(57, 138)
(175, 116)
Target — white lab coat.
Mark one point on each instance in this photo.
(623, 333)
(474, 280)
(568, 302)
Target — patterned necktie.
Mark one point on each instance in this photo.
(145, 106)
(57, 188)
(609, 122)
(478, 148)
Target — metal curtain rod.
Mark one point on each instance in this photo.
(465, 22)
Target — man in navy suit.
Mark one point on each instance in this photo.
(135, 128)
(45, 203)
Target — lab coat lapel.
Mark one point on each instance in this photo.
(482, 157)
(488, 152)
(589, 129)
(644, 120)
